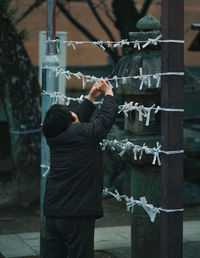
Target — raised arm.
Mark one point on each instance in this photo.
(97, 129)
(86, 108)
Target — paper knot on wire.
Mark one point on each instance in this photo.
(108, 43)
(104, 144)
(130, 203)
(149, 208)
(100, 44)
(71, 43)
(137, 45)
(152, 41)
(142, 202)
(113, 144)
(124, 80)
(148, 114)
(108, 81)
(47, 170)
(125, 146)
(157, 77)
(136, 150)
(54, 95)
(116, 81)
(144, 112)
(126, 108)
(145, 79)
(105, 191)
(116, 195)
(156, 151)
(121, 43)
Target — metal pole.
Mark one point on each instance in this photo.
(50, 84)
(172, 91)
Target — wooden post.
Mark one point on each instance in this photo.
(172, 89)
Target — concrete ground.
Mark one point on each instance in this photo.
(112, 234)
(114, 241)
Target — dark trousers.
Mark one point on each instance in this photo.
(69, 237)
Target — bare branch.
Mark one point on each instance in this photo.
(145, 7)
(74, 21)
(98, 18)
(36, 4)
(126, 15)
(106, 10)
(84, 30)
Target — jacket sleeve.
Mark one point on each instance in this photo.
(85, 110)
(97, 129)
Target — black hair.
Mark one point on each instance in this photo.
(57, 119)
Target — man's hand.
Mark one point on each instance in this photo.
(100, 87)
(94, 92)
(105, 88)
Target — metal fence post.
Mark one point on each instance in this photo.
(50, 84)
(172, 89)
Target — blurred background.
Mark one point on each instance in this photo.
(22, 48)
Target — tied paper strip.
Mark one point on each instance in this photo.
(47, 168)
(130, 203)
(85, 78)
(145, 78)
(115, 44)
(144, 112)
(126, 146)
(152, 41)
(67, 100)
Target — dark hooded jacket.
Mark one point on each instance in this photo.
(74, 184)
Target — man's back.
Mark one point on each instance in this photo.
(74, 185)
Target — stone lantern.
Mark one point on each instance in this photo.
(145, 178)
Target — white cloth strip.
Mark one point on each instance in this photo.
(131, 202)
(145, 78)
(67, 100)
(25, 131)
(124, 42)
(125, 146)
(144, 112)
(43, 166)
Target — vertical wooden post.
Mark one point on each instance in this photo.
(172, 89)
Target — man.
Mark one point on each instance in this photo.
(73, 195)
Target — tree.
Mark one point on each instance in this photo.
(124, 15)
(19, 92)
(19, 87)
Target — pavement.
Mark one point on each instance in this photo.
(114, 240)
